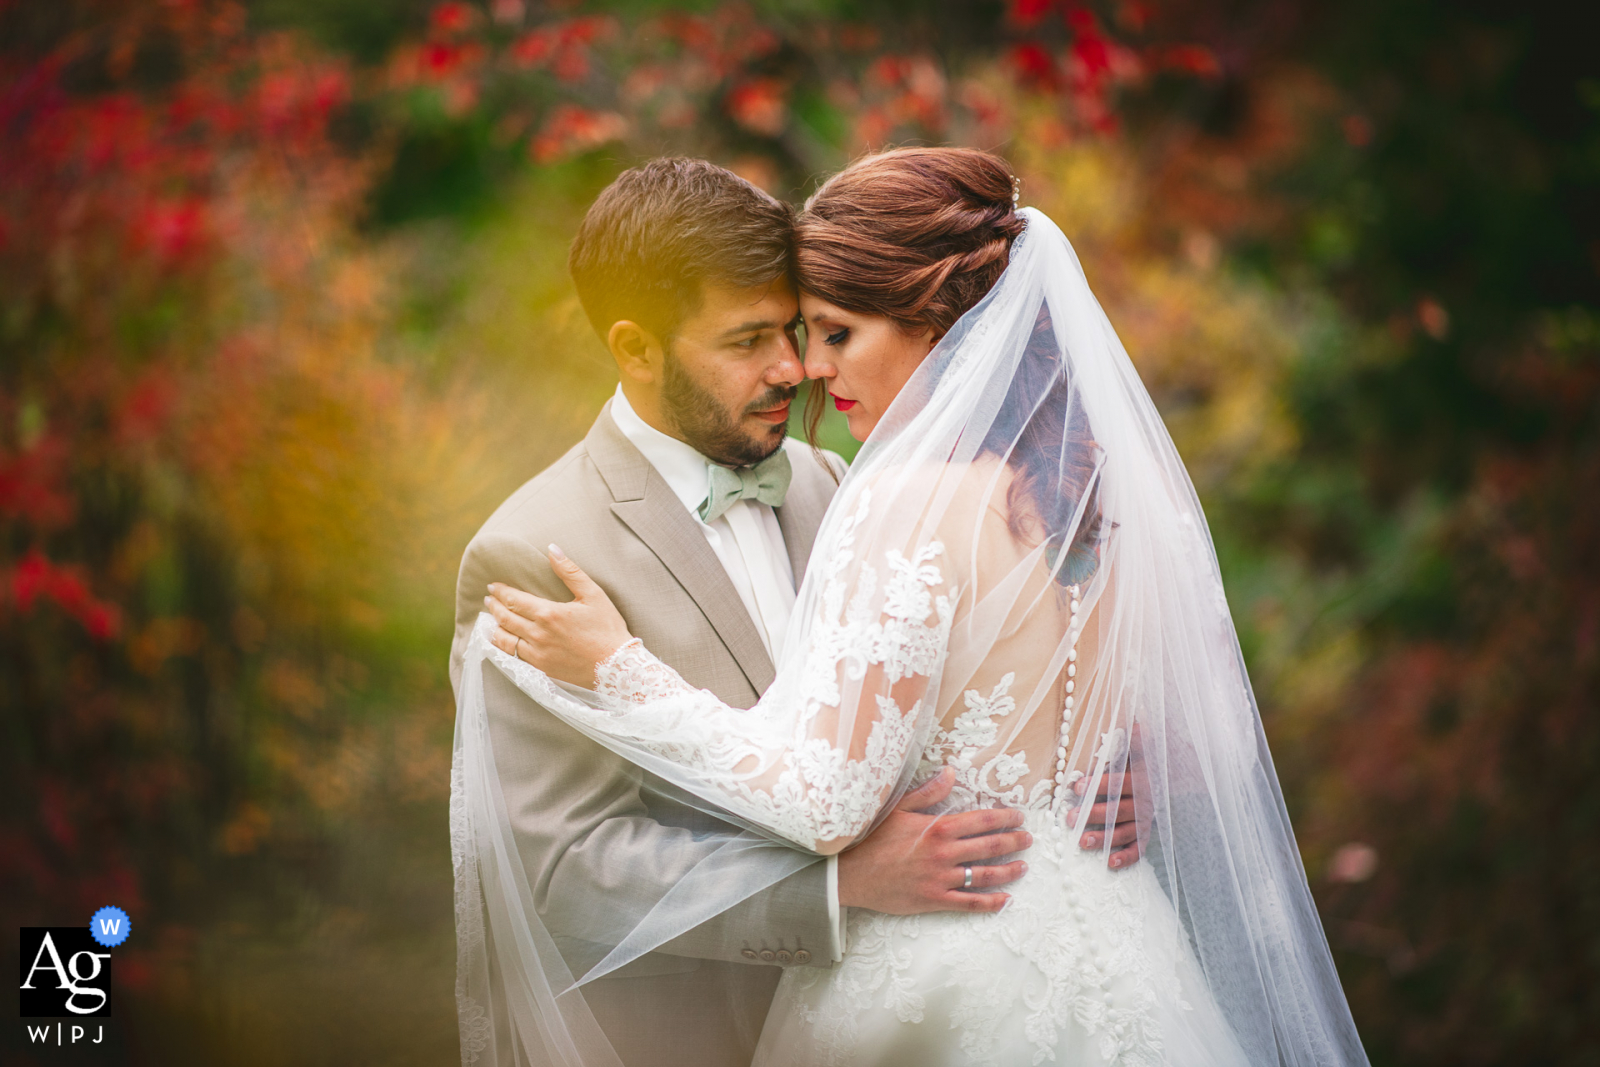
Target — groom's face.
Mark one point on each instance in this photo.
(731, 371)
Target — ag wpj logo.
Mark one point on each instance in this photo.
(66, 972)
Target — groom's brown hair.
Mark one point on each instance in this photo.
(662, 229)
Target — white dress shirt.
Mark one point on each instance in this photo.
(746, 538)
(749, 544)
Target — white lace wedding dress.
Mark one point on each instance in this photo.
(1087, 965)
(1015, 580)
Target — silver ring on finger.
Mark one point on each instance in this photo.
(966, 883)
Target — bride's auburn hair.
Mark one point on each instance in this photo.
(917, 235)
(920, 236)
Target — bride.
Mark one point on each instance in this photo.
(1014, 585)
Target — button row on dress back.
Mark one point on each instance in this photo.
(1074, 628)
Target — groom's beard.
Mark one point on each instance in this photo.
(704, 424)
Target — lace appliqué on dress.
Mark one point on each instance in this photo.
(874, 975)
(1072, 953)
(993, 782)
(799, 781)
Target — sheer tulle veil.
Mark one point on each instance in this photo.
(1023, 468)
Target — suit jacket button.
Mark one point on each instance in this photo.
(802, 956)
(748, 953)
(783, 955)
(768, 955)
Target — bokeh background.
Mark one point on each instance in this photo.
(284, 314)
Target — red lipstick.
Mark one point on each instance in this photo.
(842, 404)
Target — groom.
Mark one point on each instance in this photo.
(687, 504)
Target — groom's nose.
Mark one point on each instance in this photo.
(787, 369)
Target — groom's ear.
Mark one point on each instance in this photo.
(638, 352)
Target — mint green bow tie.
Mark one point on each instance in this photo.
(767, 482)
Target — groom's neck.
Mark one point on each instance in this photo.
(647, 403)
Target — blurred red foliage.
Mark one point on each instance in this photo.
(36, 578)
(122, 209)
(571, 129)
(677, 70)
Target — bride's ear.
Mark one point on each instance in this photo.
(637, 351)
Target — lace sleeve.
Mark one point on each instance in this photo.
(817, 758)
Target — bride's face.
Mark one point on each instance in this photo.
(864, 360)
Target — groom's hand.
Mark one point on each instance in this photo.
(915, 863)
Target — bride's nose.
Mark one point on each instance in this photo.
(820, 368)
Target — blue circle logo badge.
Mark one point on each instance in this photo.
(110, 927)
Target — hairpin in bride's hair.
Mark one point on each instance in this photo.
(1016, 190)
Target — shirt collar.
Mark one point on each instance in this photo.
(683, 468)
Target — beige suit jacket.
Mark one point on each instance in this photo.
(590, 839)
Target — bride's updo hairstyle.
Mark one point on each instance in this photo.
(920, 236)
(917, 235)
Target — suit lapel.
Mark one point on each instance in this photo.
(802, 510)
(646, 504)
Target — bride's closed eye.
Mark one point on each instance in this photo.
(837, 337)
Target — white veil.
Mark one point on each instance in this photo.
(1020, 538)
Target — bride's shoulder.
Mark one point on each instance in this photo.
(944, 483)
(955, 502)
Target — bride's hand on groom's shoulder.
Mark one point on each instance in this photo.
(566, 641)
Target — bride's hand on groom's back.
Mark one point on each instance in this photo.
(915, 863)
(566, 641)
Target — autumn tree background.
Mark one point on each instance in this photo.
(284, 313)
